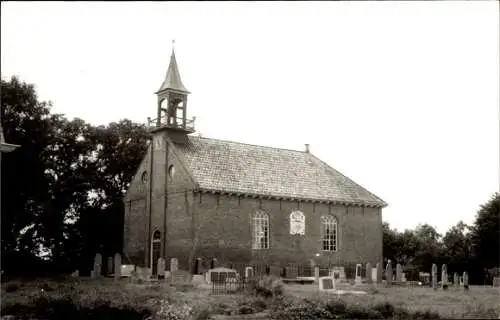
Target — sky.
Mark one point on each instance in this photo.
(402, 97)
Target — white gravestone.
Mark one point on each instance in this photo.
(358, 280)
(248, 272)
(174, 265)
(374, 275)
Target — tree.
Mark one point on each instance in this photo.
(486, 233)
(64, 186)
(457, 247)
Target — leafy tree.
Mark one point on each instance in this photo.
(457, 247)
(486, 233)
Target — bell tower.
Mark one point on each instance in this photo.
(172, 103)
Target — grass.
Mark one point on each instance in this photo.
(478, 302)
(83, 299)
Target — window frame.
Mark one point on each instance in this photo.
(260, 220)
(329, 240)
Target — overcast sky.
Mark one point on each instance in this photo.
(402, 97)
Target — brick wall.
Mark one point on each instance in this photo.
(223, 223)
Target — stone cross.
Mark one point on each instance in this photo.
(97, 265)
(466, 281)
(118, 265)
(161, 268)
(369, 273)
(174, 265)
(399, 271)
(388, 273)
(379, 272)
(444, 277)
(434, 271)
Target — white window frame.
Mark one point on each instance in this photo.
(260, 231)
(329, 234)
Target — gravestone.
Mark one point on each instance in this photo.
(292, 272)
(379, 273)
(126, 270)
(109, 269)
(326, 284)
(403, 277)
(456, 282)
(399, 272)
(118, 266)
(248, 272)
(97, 266)
(181, 277)
(444, 277)
(434, 276)
(161, 268)
(374, 275)
(357, 279)
(388, 273)
(174, 265)
(75, 274)
(316, 274)
(466, 280)
(496, 282)
(369, 273)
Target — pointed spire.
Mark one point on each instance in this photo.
(173, 77)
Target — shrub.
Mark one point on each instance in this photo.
(267, 287)
(172, 312)
(11, 287)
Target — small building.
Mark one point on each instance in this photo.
(200, 198)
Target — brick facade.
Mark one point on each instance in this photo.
(222, 223)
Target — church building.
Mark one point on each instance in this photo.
(197, 199)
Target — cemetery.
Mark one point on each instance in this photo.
(225, 292)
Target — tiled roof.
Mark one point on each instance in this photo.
(249, 169)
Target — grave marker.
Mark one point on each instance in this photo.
(399, 272)
(369, 273)
(174, 265)
(97, 266)
(388, 273)
(161, 268)
(326, 284)
(456, 282)
(379, 272)
(444, 277)
(466, 280)
(109, 269)
(434, 276)
(118, 266)
(357, 279)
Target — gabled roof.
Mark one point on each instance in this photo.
(233, 167)
(173, 77)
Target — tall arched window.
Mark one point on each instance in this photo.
(329, 233)
(260, 224)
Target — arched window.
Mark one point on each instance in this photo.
(329, 233)
(260, 224)
(297, 223)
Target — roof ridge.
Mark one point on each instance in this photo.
(249, 144)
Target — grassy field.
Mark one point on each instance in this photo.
(161, 301)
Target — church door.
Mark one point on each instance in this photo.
(155, 249)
